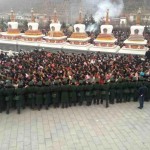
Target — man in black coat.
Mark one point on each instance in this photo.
(143, 90)
(147, 55)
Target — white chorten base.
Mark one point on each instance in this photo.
(105, 43)
(77, 47)
(79, 42)
(55, 40)
(52, 45)
(132, 51)
(7, 41)
(105, 49)
(106, 46)
(134, 47)
(135, 44)
(32, 38)
(5, 35)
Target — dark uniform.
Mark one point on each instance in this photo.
(2, 101)
(20, 97)
(105, 94)
(9, 95)
(31, 94)
(126, 91)
(112, 90)
(55, 90)
(119, 91)
(148, 86)
(88, 93)
(96, 92)
(65, 94)
(143, 91)
(47, 95)
(73, 94)
(39, 94)
(80, 92)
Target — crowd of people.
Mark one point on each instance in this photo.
(42, 78)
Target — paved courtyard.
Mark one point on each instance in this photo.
(119, 127)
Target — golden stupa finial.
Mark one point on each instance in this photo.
(12, 17)
(32, 15)
(138, 17)
(107, 17)
(80, 17)
(55, 16)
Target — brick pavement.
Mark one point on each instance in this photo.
(119, 127)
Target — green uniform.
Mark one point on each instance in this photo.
(80, 94)
(31, 96)
(39, 96)
(9, 95)
(96, 92)
(148, 86)
(65, 95)
(55, 90)
(19, 98)
(119, 92)
(105, 94)
(47, 96)
(88, 93)
(132, 90)
(2, 101)
(73, 94)
(112, 93)
(126, 91)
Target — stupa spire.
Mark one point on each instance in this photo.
(32, 15)
(12, 16)
(107, 17)
(55, 16)
(80, 17)
(138, 18)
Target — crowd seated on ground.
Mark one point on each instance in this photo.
(31, 77)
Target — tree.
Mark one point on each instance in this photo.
(3, 25)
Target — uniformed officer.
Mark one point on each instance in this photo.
(2, 101)
(88, 92)
(72, 93)
(55, 93)
(47, 94)
(19, 98)
(9, 95)
(81, 92)
(105, 93)
(65, 94)
(112, 91)
(31, 94)
(96, 92)
(39, 95)
(143, 91)
(126, 91)
(119, 90)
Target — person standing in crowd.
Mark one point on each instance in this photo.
(143, 90)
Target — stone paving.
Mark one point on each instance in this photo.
(119, 127)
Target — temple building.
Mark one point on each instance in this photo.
(136, 42)
(55, 35)
(105, 41)
(33, 33)
(79, 37)
(13, 32)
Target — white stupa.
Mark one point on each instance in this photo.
(136, 43)
(13, 32)
(33, 33)
(79, 38)
(55, 35)
(105, 41)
